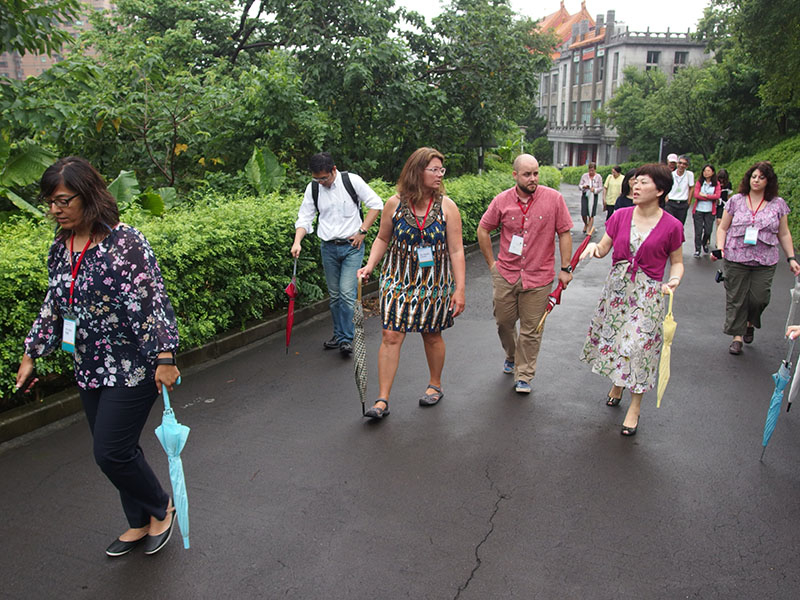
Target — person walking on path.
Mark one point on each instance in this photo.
(626, 193)
(672, 161)
(590, 183)
(680, 196)
(423, 278)
(336, 196)
(625, 334)
(725, 192)
(706, 194)
(754, 224)
(612, 188)
(531, 215)
(106, 304)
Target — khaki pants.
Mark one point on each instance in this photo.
(747, 294)
(512, 303)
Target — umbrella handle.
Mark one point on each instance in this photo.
(165, 394)
(294, 269)
(671, 296)
(359, 290)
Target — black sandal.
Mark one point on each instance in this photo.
(431, 399)
(611, 401)
(376, 412)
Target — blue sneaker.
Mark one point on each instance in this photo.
(523, 387)
(508, 367)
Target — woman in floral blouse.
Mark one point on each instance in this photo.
(106, 303)
(755, 223)
(625, 335)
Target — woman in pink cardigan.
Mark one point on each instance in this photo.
(706, 194)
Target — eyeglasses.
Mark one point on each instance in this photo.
(683, 164)
(437, 170)
(59, 202)
(322, 179)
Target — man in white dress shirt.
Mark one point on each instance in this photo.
(680, 196)
(337, 197)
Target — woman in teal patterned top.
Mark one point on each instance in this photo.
(423, 277)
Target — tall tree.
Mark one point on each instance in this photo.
(35, 26)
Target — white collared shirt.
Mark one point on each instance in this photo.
(339, 217)
(681, 185)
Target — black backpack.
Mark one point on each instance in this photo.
(347, 185)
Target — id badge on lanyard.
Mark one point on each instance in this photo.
(70, 329)
(517, 242)
(751, 233)
(424, 252)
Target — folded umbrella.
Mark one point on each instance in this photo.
(790, 320)
(291, 290)
(360, 350)
(555, 296)
(666, 350)
(172, 436)
(781, 378)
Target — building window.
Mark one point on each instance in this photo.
(601, 67)
(597, 105)
(586, 112)
(615, 68)
(552, 115)
(588, 67)
(555, 82)
(681, 58)
(563, 113)
(573, 118)
(575, 73)
(546, 84)
(652, 59)
(564, 78)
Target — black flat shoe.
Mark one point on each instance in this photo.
(749, 334)
(377, 412)
(120, 548)
(629, 431)
(155, 543)
(331, 344)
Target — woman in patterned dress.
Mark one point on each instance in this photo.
(422, 283)
(106, 304)
(624, 340)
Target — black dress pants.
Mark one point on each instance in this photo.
(116, 418)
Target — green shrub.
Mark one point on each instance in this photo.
(225, 261)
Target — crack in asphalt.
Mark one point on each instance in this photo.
(500, 497)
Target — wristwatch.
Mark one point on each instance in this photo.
(567, 269)
(361, 231)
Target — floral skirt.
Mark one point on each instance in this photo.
(625, 335)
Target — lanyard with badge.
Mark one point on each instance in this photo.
(424, 251)
(516, 245)
(70, 320)
(751, 233)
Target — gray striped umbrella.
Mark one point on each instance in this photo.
(360, 350)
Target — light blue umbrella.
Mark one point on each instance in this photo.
(172, 436)
(781, 379)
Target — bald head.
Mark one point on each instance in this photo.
(526, 174)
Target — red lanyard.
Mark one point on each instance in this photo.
(77, 264)
(753, 212)
(526, 209)
(425, 218)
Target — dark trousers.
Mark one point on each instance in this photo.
(677, 209)
(609, 210)
(585, 212)
(116, 419)
(703, 223)
(747, 294)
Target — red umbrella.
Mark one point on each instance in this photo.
(291, 291)
(555, 296)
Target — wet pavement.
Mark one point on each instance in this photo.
(487, 495)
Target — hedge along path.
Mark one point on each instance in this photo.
(225, 263)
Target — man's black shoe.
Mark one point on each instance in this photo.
(346, 348)
(331, 344)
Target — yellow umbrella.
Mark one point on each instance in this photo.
(666, 350)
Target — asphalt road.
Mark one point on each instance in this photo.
(487, 495)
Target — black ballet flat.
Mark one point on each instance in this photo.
(120, 548)
(157, 542)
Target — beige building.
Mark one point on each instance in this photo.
(586, 72)
(16, 66)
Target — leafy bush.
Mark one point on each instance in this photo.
(225, 261)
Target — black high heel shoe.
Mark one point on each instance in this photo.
(611, 401)
(630, 431)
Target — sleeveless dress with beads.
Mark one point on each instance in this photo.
(415, 298)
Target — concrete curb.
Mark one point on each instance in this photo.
(27, 418)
